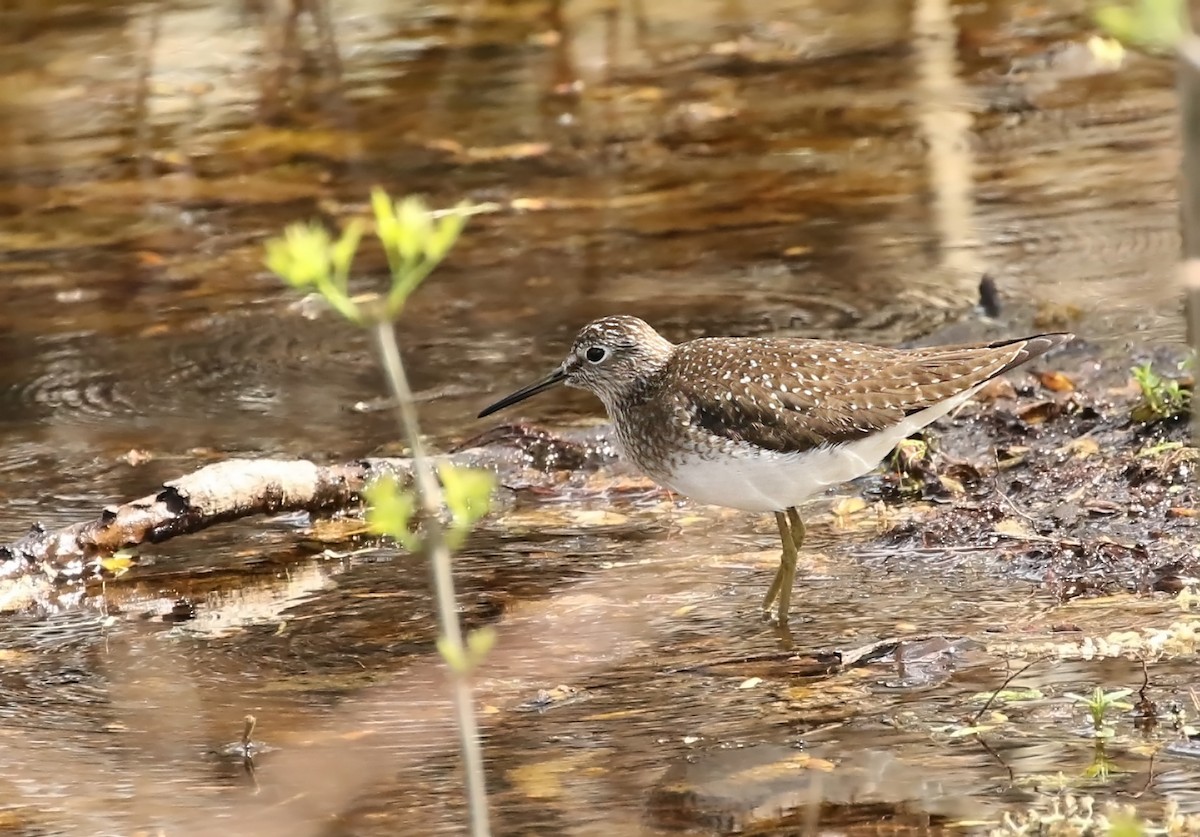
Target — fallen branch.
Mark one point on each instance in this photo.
(214, 494)
(239, 488)
(809, 663)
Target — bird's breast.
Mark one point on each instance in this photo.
(723, 472)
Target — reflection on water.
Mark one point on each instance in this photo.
(826, 168)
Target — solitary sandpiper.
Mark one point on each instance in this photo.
(761, 424)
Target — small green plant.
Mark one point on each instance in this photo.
(910, 455)
(1162, 398)
(912, 462)
(466, 491)
(308, 258)
(415, 239)
(1100, 704)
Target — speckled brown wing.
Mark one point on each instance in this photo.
(790, 395)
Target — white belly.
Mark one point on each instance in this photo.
(753, 479)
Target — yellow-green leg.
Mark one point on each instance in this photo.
(791, 535)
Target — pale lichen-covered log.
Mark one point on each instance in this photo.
(238, 488)
(214, 494)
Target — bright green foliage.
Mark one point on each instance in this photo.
(308, 257)
(414, 239)
(1156, 25)
(390, 512)
(1099, 704)
(467, 493)
(468, 496)
(1162, 398)
(1126, 824)
(479, 643)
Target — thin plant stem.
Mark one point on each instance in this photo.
(414, 275)
(429, 492)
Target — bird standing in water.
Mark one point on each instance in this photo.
(761, 424)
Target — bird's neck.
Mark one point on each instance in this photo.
(653, 358)
(644, 388)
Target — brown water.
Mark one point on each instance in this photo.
(825, 168)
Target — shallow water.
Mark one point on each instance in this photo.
(808, 168)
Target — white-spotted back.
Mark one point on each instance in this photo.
(750, 478)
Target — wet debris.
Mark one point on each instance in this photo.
(918, 471)
(1068, 815)
(734, 789)
(237, 488)
(1188, 748)
(238, 757)
(1180, 638)
(1056, 381)
(553, 778)
(546, 699)
(183, 610)
(539, 449)
(916, 660)
(1059, 483)
(989, 296)
(214, 494)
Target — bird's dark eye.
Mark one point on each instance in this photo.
(596, 354)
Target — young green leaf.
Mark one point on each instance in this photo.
(342, 254)
(413, 228)
(390, 512)
(479, 642)
(384, 211)
(455, 656)
(468, 492)
(445, 233)
(301, 256)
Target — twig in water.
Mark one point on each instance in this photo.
(1008, 680)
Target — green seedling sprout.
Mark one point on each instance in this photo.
(1162, 398)
(414, 239)
(1100, 704)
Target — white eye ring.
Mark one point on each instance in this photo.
(596, 354)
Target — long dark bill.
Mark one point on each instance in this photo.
(555, 377)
